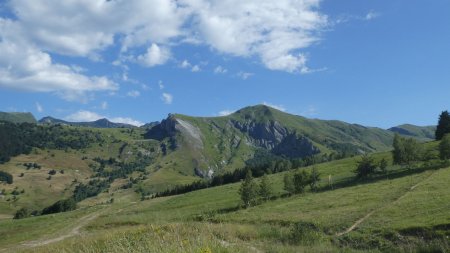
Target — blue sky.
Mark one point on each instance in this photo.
(376, 63)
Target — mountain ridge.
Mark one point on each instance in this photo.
(100, 123)
(225, 142)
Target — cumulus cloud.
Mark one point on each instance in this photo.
(275, 32)
(25, 67)
(129, 121)
(196, 68)
(88, 116)
(244, 75)
(154, 56)
(220, 70)
(167, 98)
(185, 64)
(84, 116)
(161, 85)
(272, 30)
(278, 107)
(133, 93)
(371, 15)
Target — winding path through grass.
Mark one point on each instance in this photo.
(358, 222)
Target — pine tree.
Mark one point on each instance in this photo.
(444, 147)
(265, 189)
(249, 190)
(443, 126)
(301, 180)
(399, 151)
(365, 167)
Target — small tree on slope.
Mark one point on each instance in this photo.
(249, 190)
(443, 126)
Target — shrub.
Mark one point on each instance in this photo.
(22, 213)
(365, 167)
(303, 233)
(61, 206)
(5, 176)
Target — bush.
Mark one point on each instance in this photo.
(22, 213)
(303, 233)
(365, 167)
(444, 148)
(5, 176)
(61, 206)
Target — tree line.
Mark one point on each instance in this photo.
(261, 164)
(16, 139)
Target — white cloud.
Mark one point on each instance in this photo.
(278, 107)
(154, 56)
(84, 116)
(88, 116)
(167, 98)
(104, 105)
(25, 67)
(275, 32)
(226, 112)
(129, 121)
(85, 27)
(371, 15)
(244, 75)
(185, 64)
(220, 70)
(272, 30)
(39, 107)
(133, 93)
(161, 85)
(196, 68)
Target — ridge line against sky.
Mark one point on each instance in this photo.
(367, 62)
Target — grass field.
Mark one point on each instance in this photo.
(407, 210)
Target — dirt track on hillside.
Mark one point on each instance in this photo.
(358, 222)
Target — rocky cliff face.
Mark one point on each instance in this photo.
(270, 135)
(276, 138)
(169, 128)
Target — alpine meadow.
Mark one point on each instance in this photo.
(211, 126)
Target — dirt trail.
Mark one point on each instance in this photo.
(358, 222)
(75, 231)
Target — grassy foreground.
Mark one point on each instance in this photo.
(404, 211)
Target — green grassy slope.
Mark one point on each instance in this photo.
(426, 132)
(17, 117)
(401, 209)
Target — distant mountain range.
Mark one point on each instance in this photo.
(425, 132)
(101, 123)
(420, 132)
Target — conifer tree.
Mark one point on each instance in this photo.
(265, 189)
(248, 190)
(443, 126)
